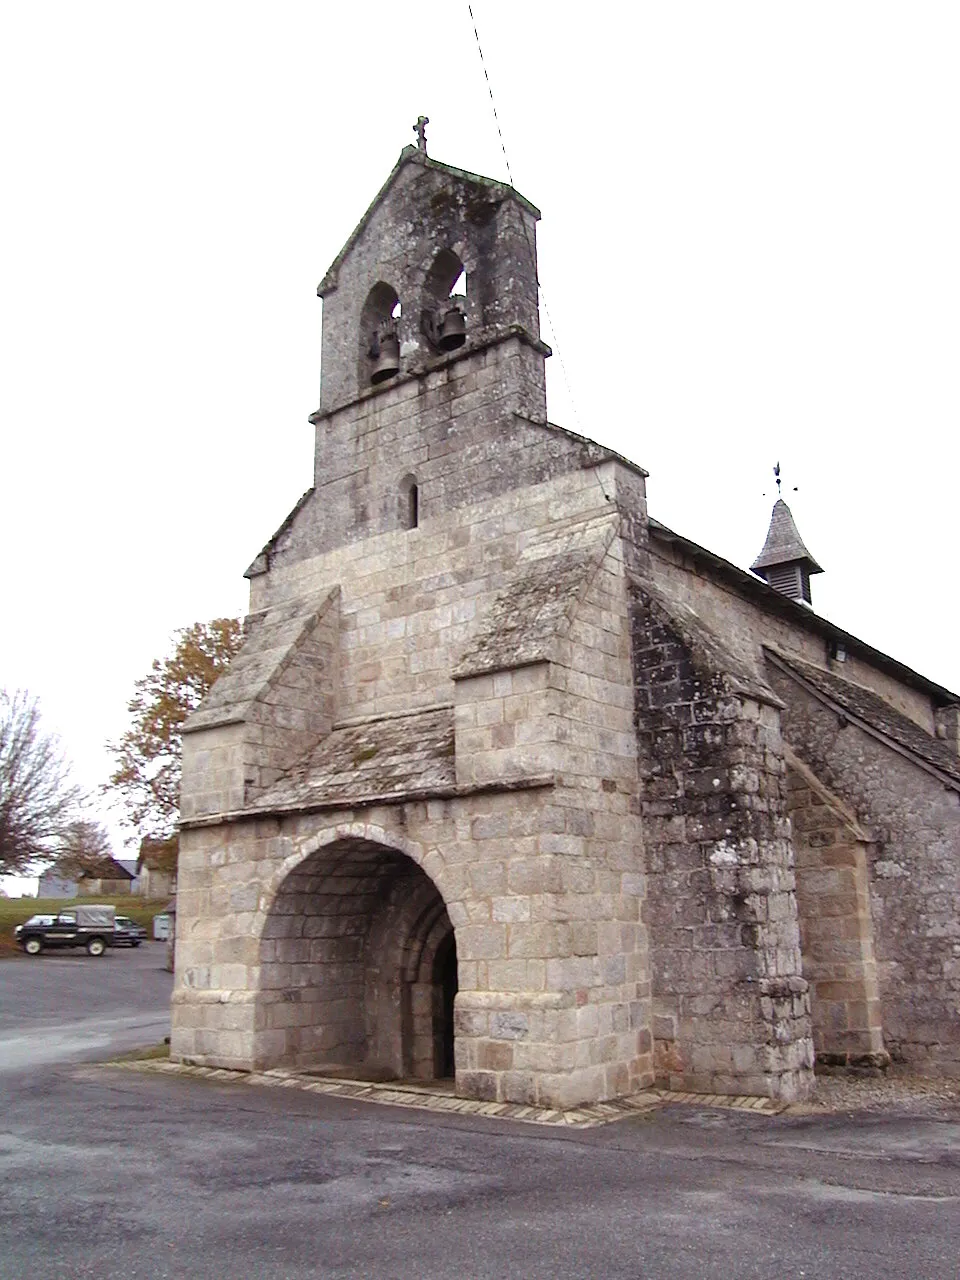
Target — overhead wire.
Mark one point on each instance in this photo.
(533, 252)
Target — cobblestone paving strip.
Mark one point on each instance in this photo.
(764, 1106)
(424, 1098)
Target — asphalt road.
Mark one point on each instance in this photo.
(108, 1173)
(66, 1006)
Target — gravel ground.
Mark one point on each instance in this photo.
(891, 1092)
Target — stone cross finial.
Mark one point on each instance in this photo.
(420, 129)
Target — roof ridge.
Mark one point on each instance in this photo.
(753, 586)
(874, 714)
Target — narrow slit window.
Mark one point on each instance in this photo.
(409, 503)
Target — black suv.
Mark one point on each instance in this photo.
(127, 933)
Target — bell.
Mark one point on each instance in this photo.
(453, 330)
(387, 362)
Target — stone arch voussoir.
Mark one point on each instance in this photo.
(365, 831)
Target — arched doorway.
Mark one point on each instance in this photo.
(358, 967)
(445, 984)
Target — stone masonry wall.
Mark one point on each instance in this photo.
(467, 431)
(747, 627)
(275, 702)
(913, 865)
(580, 930)
(836, 926)
(543, 886)
(429, 211)
(403, 1005)
(542, 1014)
(410, 599)
(731, 1008)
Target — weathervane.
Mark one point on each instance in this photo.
(420, 129)
(776, 476)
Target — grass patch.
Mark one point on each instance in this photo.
(14, 911)
(149, 1054)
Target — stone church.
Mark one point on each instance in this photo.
(512, 783)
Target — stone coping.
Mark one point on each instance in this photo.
(426, 1097)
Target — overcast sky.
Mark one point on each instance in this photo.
(749, 251)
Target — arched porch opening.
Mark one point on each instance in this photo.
(357, 967)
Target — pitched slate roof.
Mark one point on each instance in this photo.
(870, 709)
(104, 868)
(261, 561)
(754, 588)
(709, 653)
(386, 758)
(784, 544)
(538, 603)
(271, 637)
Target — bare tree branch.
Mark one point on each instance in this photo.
(37, 799)
(85, 849)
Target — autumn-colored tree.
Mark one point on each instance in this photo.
(147, 775)
(84, 850)
(37, 799)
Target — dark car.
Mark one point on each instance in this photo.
(127, 933)
(84, 925)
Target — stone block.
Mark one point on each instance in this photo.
(520, 1087)
(509, 1026)
(511, 910)
(494, 1055)
(481, 1085)
(482, 942)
